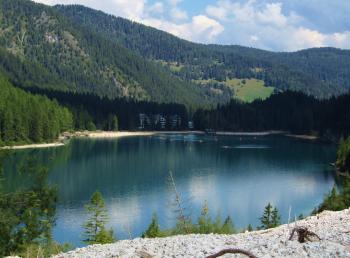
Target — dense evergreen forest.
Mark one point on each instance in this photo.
(94, 112)
(35, 39)
(320, 72)
(77, 49)
(288, 111)
(26, 118)
(108, 70)
(305, 114)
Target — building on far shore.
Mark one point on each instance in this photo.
(160, 122)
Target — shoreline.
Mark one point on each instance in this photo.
(303, 137)
(34, 146)
(66, 137)
(332, 227)
(263, 133)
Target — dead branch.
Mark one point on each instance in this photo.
(303, 234)
(232, 251)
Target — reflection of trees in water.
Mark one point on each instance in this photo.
(28, 211)
(16, 160)
(136, 164)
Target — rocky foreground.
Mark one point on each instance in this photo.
(332, 227)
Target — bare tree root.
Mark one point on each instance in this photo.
(232, 251)
(303, 234)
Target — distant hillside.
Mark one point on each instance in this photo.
(77, 49)
(40, 47)
(319, 72)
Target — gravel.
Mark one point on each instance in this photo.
(332, 227)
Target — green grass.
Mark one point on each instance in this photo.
(246, 90)
(173, 66)
(249, 90)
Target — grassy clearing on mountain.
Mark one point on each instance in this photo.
(246, 90)
(249, 90)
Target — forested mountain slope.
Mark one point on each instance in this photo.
(314, 71)
(77, 49)
(42, 48)
(26, 118)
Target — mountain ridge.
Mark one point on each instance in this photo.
(76, 48)
(141, 38)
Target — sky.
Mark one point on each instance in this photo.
(277, 25)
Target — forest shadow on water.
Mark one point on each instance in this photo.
(237, 176)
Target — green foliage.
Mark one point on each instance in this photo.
(250, 89)
(43, 250)
(27, 215)
(115, 123)
(228, 227)
(270, 218)
(77, 49)
(153, 229)
(74, 58)
(250, 228)
(112, 123)
(306, 115)
(95, 230)
(321, 72)
(204, 221)
(343, 156)
(26, 118)
(204, 225)
(104, 236)
(336, 200)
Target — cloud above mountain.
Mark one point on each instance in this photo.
(280, 25)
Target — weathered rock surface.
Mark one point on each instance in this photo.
(332, 227)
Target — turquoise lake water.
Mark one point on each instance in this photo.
(237, 176)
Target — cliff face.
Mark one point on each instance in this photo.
(332, 227)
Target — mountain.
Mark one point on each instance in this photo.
(320, 72)
(78, 49)
(42, 48)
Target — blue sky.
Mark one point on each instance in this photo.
(278, 25)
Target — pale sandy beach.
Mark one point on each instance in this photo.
(66, 136)
(34, 146)
(252, 133)
(64, 139)
(103, 134)
(303, 137)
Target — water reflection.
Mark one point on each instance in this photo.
(236, 175)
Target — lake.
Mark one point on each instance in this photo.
(237, 176)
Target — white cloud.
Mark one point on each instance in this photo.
(164, 15)
(269, 24)
(133, 9)
(220, 11)
(200, 29)
(272, 14)
(157, 8)
(178, 14)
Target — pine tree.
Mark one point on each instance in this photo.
(95, 231)
(228, 226)
(270, 218)
(275, 218)
(343, 156)
(217, 225)
(250, 228)
(153, 229)
(115, 124)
